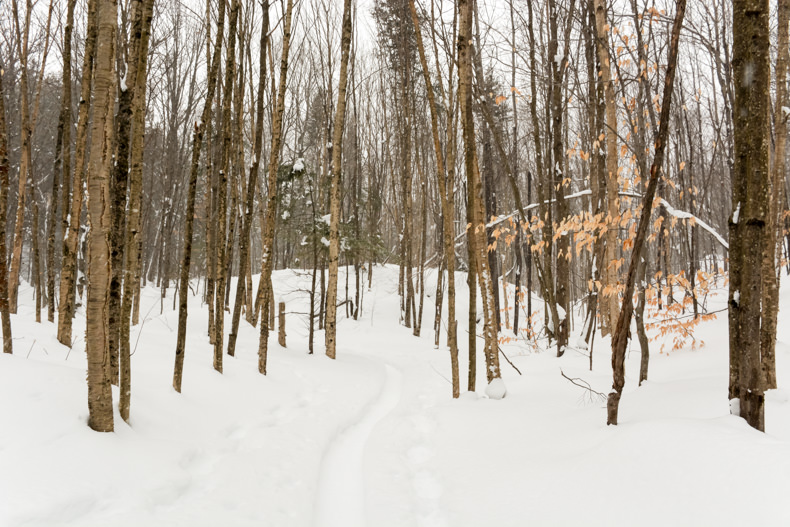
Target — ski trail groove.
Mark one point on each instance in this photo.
(340, 500)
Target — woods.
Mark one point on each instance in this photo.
(576, 163)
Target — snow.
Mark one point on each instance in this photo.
(325, 241)
(299, 165)
(736, 297)
(496, 389)
(286, 214)
(375, 438)
(736, 215)
(325, 218)
(123, 79)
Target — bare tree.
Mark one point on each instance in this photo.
(334, 192)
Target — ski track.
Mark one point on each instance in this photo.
(340, 495)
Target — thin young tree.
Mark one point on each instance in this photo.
(271, 202)
(446, 203)
(189, 227)
(8, 344)
(61, 172)
(620, 336)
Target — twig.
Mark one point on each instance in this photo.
(140, 331)
(600, 396)
(71, 347)
(440, 374)
(508, 360)
(31, 349)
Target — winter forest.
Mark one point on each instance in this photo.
(394, 262)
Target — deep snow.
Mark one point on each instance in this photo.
(374, 437)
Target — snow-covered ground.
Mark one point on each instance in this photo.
(374, 437)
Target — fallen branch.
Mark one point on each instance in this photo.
(591, 393)
(509, 361)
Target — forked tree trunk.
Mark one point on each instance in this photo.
(68, 273)
(244, 239)
(334, 192)
(477, 234)
(96, 334)
(222, 209)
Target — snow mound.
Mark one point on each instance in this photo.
(496, 389)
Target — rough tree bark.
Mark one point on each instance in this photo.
(750, 220)
(96, 334)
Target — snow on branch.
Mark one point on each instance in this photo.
(672, 211)
(683, 215)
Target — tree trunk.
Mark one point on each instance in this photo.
(99, 221)
(141, 32)
(68, 272)
(8, 344)
(620, 335)
(61, 171)
(751, 198)
(477, 233)
(186, 258)
(609, 301)
(334, 192)
(271, 202)
(244, 239)
(770, 277)
(221, 242)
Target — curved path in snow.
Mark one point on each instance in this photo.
(340, 496)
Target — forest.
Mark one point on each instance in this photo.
(394, 262)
